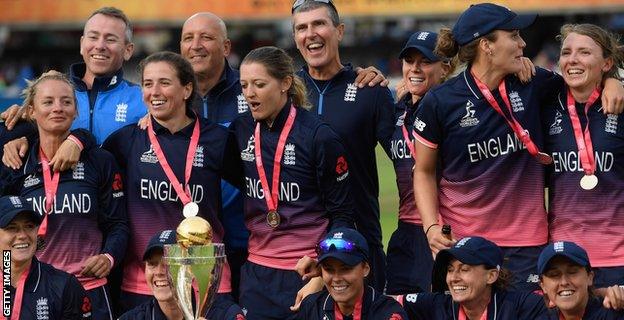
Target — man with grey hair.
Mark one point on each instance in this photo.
(361, 115)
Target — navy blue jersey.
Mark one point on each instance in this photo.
(321, 306)
(52, 294)
(361, 117)
(88, 215)
(503, 306)
(572, 211)
(593, 311)
(150, 310)
(403, 160)
(485, 173)
(153, 203)
(222, 104)
(111, 103)
(313, 193)
(23, 128)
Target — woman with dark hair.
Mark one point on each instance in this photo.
(84, 228)
(171, 170)
(566, 277)
(472, 272)
(587, 146)
(296, 178)
(479, 142)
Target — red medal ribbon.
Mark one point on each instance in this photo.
(271, 196)
(583, 138)
(520, 132)
(357, 311)
(183, 191)
(462, 314)
(50, 185)
(409, 142)
(19, 294)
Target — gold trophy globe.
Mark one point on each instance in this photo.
(194, 266)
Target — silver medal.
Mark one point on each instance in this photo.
(191, 209)
(589, 182)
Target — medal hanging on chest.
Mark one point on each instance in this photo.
(271, 193)
(583, 140)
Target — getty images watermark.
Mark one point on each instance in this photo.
(6, 283)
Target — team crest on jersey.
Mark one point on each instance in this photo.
(149, 156)
(419, 124)
(611, 124)
(198, 160)
(42, 309)
(31, 180)
(242, 104)
(400, 120)
(469, 120)
(516, 101)
(350, 92)
(16, 202)
(289, 154)
(555, 127)
(78, 172)
(122, 112)
(248, 154)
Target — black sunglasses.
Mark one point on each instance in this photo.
(298, 3)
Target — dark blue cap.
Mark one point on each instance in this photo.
(159, 241)
(344, 244)
(11, 206)
(473, 251)
(566, 249)
(483, 18)
(423, 41)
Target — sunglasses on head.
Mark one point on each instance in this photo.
(298, 3)
(339, 245)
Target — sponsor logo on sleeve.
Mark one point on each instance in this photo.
(419, 124)
(117, 186)
(342, 168)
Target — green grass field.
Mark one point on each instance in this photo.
(388, 196)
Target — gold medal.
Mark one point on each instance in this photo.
(273, 219)
(589, 182)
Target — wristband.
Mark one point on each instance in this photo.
(435, 224)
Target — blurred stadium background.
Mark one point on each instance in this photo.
(38, 35)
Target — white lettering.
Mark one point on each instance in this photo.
(494, 147)
(164, 191)
(289, 191)
(570, 161)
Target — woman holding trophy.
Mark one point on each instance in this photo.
(173, 167)
(297, 184)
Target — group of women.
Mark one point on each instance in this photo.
(484, 141)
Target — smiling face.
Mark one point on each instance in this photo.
(156, 276)
(468, 283)
(20, 236)
(103, 45)
(53, 106)
(506, 51)
(204, 43)
(163, 93)
(582, 62)
(420, 73)
(566, 285)
(265, 94)
(345, 283)
(317, 38)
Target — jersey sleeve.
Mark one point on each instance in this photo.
(85, 137)
(119, 144)
(549, 84)
(112, 217)
(391, 310)
(531, 306)
(427, 125)
(419, 305)
(332, 171)
(76, 304)
(385, 107)
(232, 168)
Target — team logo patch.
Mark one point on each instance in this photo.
(31, 180)
(122, 112)
(412, 297)
(248, 153)
(532, 278)
(42, 309)
(342, 168)
(149, 156)
(16, 202)
(351, 92)
(242, 104)
(469, 120)
(516, 101)
(611, 124)
(113, 81)
(198, 160)
(422, 36)
(555, 127)
(419, 124)
(78, 172)
(117, 186)
(289, 154)
(86, 307)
